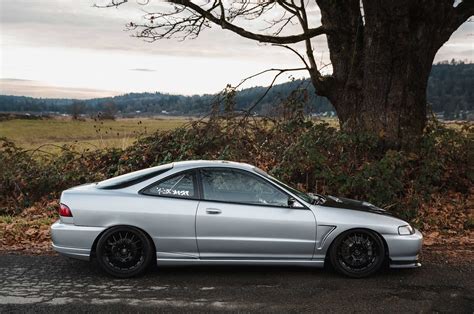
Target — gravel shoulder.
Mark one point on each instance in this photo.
(51, 283)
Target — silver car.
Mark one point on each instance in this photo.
(220, 212)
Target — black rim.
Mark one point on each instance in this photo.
(358, 252)
(123, 251)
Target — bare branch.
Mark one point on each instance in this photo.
(248, 9)
(288, 7)
(279, 72)
(191, 24)
(266, 71)
(296, 52)
(281, 22)
(111, 4)
(463, 11)
(309, 48)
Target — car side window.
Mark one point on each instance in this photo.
(229, 185)
(181, 186)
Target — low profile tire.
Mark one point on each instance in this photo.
(357, 253)
(124, 251)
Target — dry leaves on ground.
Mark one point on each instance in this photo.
(28, 231)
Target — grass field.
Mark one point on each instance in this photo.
(90, 134)
(31, 134)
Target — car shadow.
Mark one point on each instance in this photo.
(237, 272)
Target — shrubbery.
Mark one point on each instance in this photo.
(310, 155)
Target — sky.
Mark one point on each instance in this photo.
(70, 49)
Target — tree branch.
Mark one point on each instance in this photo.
(296, 52)
(309, 48)
(244, 33)
(224, 23)
(280, 72)
(462, 12)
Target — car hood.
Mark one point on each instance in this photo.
(347, 203)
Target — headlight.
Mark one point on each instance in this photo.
(406, 230)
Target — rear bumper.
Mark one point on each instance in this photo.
(404, 250)
(74, 241)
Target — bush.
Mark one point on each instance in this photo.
(310, 155)
(332, 162)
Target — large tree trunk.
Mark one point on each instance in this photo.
(381, 64)
(388, 96)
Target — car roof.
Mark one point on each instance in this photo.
(141, 175)
(211, 163)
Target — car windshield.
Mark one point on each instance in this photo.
(307, 198)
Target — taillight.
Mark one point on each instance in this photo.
(64, 211)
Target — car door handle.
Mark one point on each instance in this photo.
(213, 211)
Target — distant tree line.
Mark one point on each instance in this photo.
(449, 91)
(451, 88)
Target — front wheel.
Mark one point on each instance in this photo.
(357, 253)
(124, 251)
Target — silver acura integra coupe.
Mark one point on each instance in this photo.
(219, 212)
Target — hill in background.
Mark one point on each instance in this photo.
(450, 93)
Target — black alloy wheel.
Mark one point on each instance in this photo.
(124, 251)
(357, 253)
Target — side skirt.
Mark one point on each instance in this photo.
(176, 262)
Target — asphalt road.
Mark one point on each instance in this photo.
(57, 284)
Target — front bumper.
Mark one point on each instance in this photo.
(405, 264)
(404, 250)
(74, 241)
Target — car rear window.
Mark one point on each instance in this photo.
(181, 185)
(132, 178)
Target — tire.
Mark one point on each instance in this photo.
(357, 253)
(124, 251)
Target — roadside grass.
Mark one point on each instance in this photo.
(88, 134)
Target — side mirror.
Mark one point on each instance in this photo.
(293, 203)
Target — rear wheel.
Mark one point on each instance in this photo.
(357, 253)
(124, 251)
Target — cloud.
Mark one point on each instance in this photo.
(21, 87)
(143, 70)
(86, 52)
(15, 80)
(76, 24)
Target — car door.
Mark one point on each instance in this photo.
(243, 216)
(171, 204)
